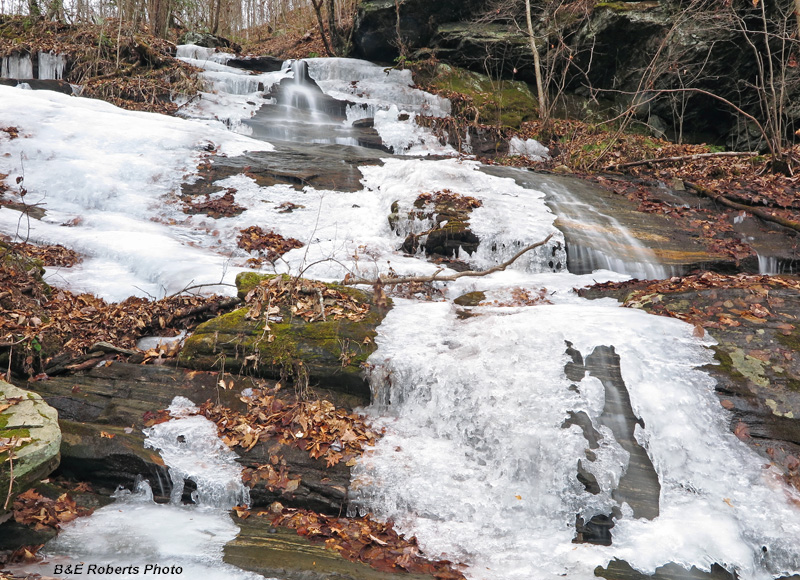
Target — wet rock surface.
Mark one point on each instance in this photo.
(278, 552)
(324, 167)
(674, 242)
(638, 486)
(103, 411)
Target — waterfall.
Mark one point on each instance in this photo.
(530, 435)
(477, 464)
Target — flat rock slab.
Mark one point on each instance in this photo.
(281, 553)
(324, 167)
(34, 424)
(331, 351)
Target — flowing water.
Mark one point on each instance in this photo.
(536, 435)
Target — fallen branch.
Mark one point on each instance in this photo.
(692, 157)
(221, 305)
(760, 213)
(394, 280)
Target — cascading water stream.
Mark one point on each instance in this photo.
(604, 242)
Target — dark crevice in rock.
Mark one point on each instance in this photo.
(639, 486)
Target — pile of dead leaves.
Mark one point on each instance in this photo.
(365, 540)
(34, 509)
(448, 199)
(317, 427)
(755, 307)
(269, 244)
(289, 44)
(217, 207)
(50, 256)
(521, 297)
(40, 323)
(417, 290)
(284, 297)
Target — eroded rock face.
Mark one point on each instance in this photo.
(292, 341)
(376, 27)
(28, 429)
(104, 411)
(611, 48)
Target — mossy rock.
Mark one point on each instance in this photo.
(499, 102)
(36, 424)
(450, 233)
(331, 352)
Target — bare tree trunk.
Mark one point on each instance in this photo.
(797, 15)
(333, 30)
(159, 17)
(215, 25)
(537, 63)
(318, 10)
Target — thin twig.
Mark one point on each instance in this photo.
(195, 286)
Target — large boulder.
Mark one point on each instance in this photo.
(30, 440)
(628, 51)
(282, 333)
(504, 103)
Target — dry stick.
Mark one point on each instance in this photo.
(11, 472)
(619, 166)
(394, 280)
(768, 217)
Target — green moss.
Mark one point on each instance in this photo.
(790, 341)
(626, 6)
(498, 102)
(8, 434)
(793, 384)
(331, 351)
(246, 281)
(726, 365)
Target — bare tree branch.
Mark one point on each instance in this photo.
(619, 166)
(760, 213)
(394, 280)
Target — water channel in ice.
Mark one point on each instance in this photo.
(479, 460)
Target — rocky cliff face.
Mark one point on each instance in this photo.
(631, 52)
